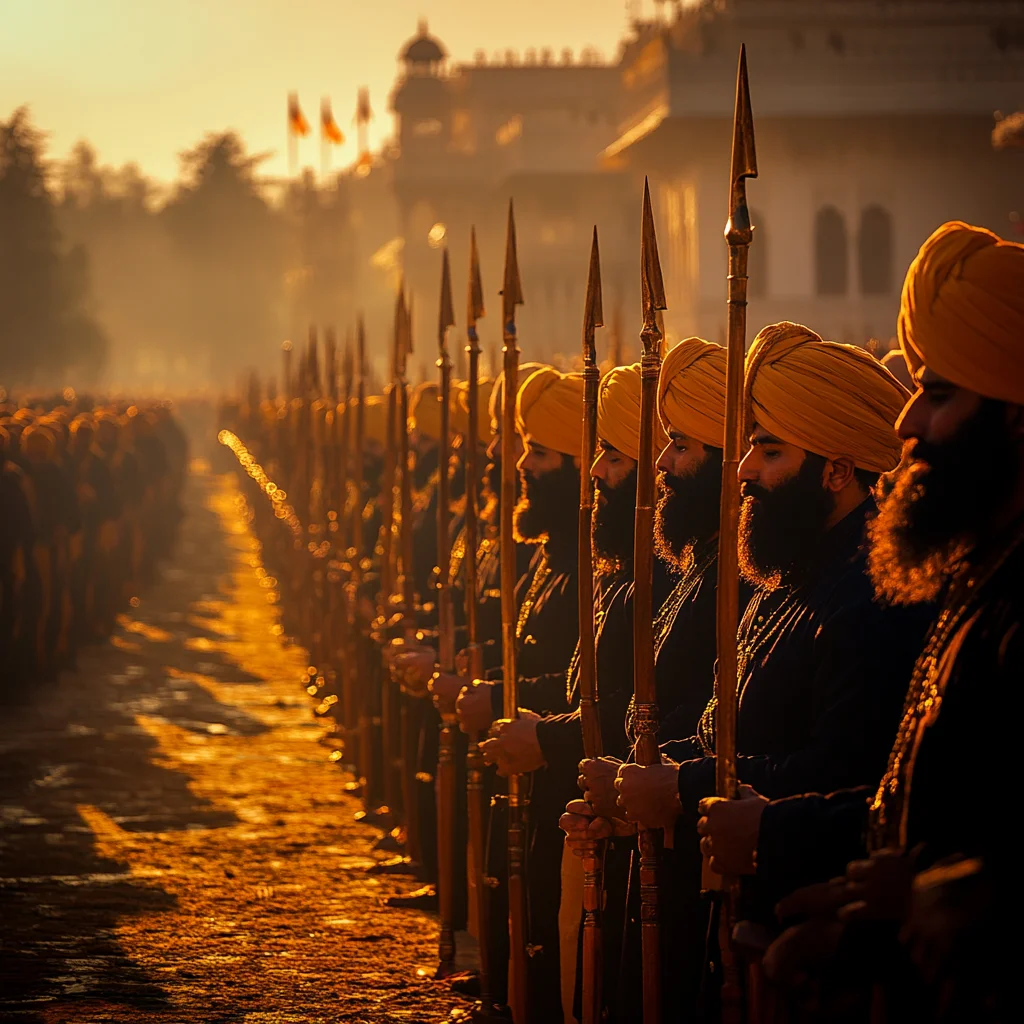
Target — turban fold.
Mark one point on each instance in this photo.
(691, 391)
(496, 403)
(425, 410)
(962, 311)
(549, 410)
(618, 412)
(824, 397)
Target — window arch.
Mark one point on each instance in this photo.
(831, 261)
(757, 269)
(874, 251)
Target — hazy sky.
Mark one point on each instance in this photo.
(144, 79)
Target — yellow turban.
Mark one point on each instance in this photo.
(425, 410)
(962, 312)
(691, 391)
(496, 403)
(824, 397)
(549, 410)
(375, 418)
(618, 412)
(483, 415)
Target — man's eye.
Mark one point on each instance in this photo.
(680, 446)
(937, 396)
(771, 453)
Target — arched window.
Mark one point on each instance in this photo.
(757, 267)
(830, 252)
(874, 251)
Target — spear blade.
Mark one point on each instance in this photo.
(475, 306)
(652, 285)
(593, 316)
(743, 165)
(447, 314)
(512, 289)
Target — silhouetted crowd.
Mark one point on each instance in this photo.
(88, 504)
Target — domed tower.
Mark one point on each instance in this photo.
(420, 99)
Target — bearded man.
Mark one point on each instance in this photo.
(950, 530)
(822, 666)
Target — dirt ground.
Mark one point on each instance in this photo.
(175, 841)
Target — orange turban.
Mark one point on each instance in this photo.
(691, 391)
(496, 403)
(375, 418)
(549, 410)
(461, 415)
(824, 397)
(962, 311)
(618, 412)
(425, 410)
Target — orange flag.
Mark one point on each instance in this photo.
(297, 123)
(328, 126)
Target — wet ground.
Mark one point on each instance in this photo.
(175, 841)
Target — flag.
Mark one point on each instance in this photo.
(297, 123)
(329, 129)
(363, 112)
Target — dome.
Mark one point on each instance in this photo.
(424, 48)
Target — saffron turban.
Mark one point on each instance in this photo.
(549, 410)
(824, 397)
(496, 403)
(483, 414)
(691, 391)
(425, 410)
(618, 412)
(896, 364)
(962, 311)
(375, 418)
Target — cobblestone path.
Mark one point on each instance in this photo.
(175, 844)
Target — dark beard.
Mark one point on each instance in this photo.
(492, 476)
(780, 528)
(687, 512)
(939, 501)
(549, 507)
(611, 529)
(373, 470)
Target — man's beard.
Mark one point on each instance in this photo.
(781, 527)
(549, 506)
(687, 512)
(611, 529)
(937, 507)
(492, 475)
(373, 470)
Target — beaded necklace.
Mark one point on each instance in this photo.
(887, 816)
(681, 593)
(540, 577)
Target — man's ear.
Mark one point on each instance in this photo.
(839, 473)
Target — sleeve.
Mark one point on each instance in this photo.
(561, 742)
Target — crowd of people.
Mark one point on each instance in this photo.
(880, 539)
(88, 503)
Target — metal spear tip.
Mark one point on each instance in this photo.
(652, 285)
(744, 159)
(447, 314)
(361, 342)
(594, 313)
(476, 290)
(512, 290)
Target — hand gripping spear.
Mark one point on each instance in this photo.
(738, 236)
(646, 750)
(593, 855)
(446, 783)
(512, 296)
(475, 796)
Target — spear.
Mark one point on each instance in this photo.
(512, 296)
(644, 694)
(446, 781)
(286, 369)
(340, 473)
(738, 236)
(593, 317)
(475, 795)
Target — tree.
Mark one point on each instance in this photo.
(45, 326)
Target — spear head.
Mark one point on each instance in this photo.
(446, 318)
(738, 230)
(331, 364)
(314, 360)
(475, 305)
(347, 367)
(512, 289)
(652, 286)
(593, 316)
(361, 346)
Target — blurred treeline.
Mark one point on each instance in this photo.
(107, 277)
